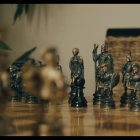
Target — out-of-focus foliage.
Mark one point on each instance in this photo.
(19, 11)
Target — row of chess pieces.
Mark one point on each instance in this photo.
(106, 80)
(46, 85)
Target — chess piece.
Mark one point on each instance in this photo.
(103, 58)
(79, 99)
(108, 80)
(77, 70)
(16, 81)
(134, 87)
(6, 124)
(13, 83)
(126, 72)
(48, 84)
(30, 98)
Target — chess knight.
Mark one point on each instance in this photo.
(48, 83)
(103, 58)
(77, 70)
(126, 72)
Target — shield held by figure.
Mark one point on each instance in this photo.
(115, 80)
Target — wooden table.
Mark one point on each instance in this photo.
(90, 121)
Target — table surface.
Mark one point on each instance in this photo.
(90, 121)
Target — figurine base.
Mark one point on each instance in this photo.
(108, 104)
(97, 99)
(79, 102)
(6, 125)
(125, 100)
(14, 99)
(31, 100)
(135, 105)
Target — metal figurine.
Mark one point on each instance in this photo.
(77, 70)
(134, 87)
(13, 83)
(48, 84)
(100, 60)
(126, 72)
(108, 80)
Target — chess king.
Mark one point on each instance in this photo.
(126, 72)
(48, 83)
(103, 58)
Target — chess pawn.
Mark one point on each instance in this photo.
(79, 99)
(126, 72)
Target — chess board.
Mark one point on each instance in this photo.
(90, 121)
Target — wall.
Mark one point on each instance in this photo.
(67, 26)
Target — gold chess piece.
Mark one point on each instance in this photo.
(48, 83)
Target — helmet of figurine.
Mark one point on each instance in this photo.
(104, 47)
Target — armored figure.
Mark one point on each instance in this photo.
(134, 87)
(126, 72)
(108, 80)
(100, 60)
(77, 70)
(14, 83)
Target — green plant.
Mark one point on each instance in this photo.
(19, 11)
(4, 46)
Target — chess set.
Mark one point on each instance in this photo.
(43, 85)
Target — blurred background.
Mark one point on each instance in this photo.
(66, 26)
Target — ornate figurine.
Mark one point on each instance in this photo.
(134, 87)
(126, 72)
(77, 70)
(77, 98)
(16, 82)
(48, 84)
(100, 60)
(108, 80)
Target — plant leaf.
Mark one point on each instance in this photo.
(18, 12)
(26, 8)
(25, 57)
(4, 46)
